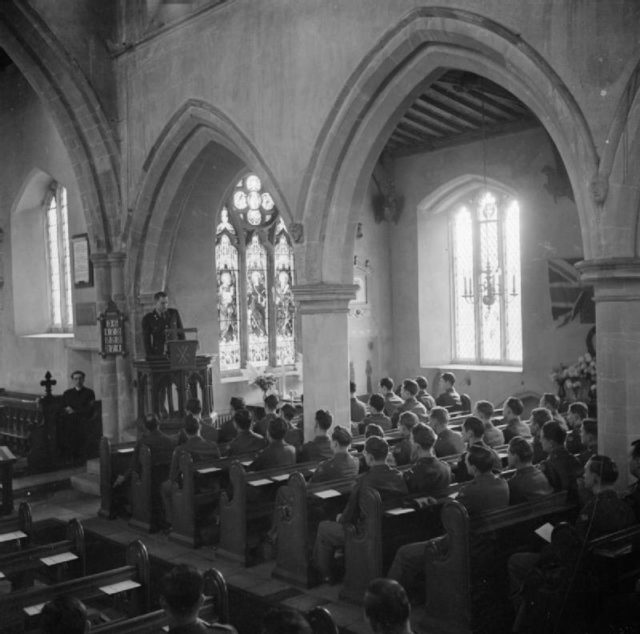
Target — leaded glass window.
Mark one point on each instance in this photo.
(487, 319)
(59, 259)
(255, 274)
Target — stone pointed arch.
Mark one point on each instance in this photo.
(152, 227)
(76, 111)
(401, 65)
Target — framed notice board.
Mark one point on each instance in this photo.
(112, 334)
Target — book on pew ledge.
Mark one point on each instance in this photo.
(259, 483)
(327, 493)
(423, 503)
(545, 531)
(125, 450)
(122, 586)
(7, 537)
(400, 510)
(280, 478)
(209, 470)
(58, 559)
(246, 463)
(2, 575)
(32, 610)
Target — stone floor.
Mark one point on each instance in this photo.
(64, 504)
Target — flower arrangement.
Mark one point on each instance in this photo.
(265, 381)
(577, 381)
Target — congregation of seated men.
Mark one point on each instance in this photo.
(547, 453)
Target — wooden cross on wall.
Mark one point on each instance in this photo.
(47, 383)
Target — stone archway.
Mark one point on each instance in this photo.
(77, 114)
(194, 126)
(398, 68)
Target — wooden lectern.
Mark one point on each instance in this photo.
(165, 384)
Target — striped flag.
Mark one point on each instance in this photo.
(569, 297)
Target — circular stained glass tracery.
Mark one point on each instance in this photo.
(254, 206)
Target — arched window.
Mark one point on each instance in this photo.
(487, 320)
(254, 271)
(58, 259)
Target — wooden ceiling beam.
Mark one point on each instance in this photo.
(423, 129)
(433, 101)
(496, 130)
(436, 128)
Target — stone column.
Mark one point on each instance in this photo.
(617, 296)
(126, 415)
(323, 310)
(108, 370)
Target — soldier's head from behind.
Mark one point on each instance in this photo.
(284, 620)
(386, 607)
(242, 419)
(375, 450)
(277, 429)
(191, 425)
(151, 422)
(64, 615)
(181, 594)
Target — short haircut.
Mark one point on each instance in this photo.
(191, 425)
(373, 430)
(243, 419)
(550, 399)
(377, 447)
(377, 402)
(288, 411)
(408, 420)
(271, 401)
(352, 387)
(422, 382)
(474, 425)
(277, 428)
(237, 402)
(386, 605)
(441, 414)
(540, 416)
(515, 405)
(590, 426)
(579, 409)
(409, 385)
(194, 406)
(424, 436)
(387, 383)
(63, 615)
(449, 377)
(324, 419)
(80, 372)
(485, 408)
(481, 458)
(151, 422)
(342, 436)
(604, 467)
(518, 446)
(182, 588)
(159, 295)
(554, 432)
(284, 620)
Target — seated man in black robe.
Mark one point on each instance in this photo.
(75, 418)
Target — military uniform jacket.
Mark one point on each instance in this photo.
(375, 419)
(403, 452)
(391, 403)
(198, 447)
(462, 473)
(412, 404)
(604, 513)
(161, 447)
(562, 470)
(317, 449)
(428, 476)
(342, 465)
(154, 327)
(515, 428)
(492, 435)
(448, 443)
(276, 454)
(387, 481)
(358, 410)
(486, 492)
(246, 441)
(426, 399)
(450, 399)
(528, 484)
(263, 424)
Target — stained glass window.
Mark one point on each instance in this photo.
(487, 323)
(59, 259)
(255, 275)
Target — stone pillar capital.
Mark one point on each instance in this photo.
(614, 279)
(324, 298)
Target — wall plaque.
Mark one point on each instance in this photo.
(82, 267)
(112, 332)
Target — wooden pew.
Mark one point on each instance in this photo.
(201, 484)
(24, 606)
(145, 489)
(115, 459)
(295, 538)
(236, 512)
(20, 566)
(449, 570)
(16, 530)
(214, 609)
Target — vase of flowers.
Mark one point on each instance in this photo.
(577, 382)
(265, 382)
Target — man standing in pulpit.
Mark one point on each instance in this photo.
(77, 411)
(156, 324)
